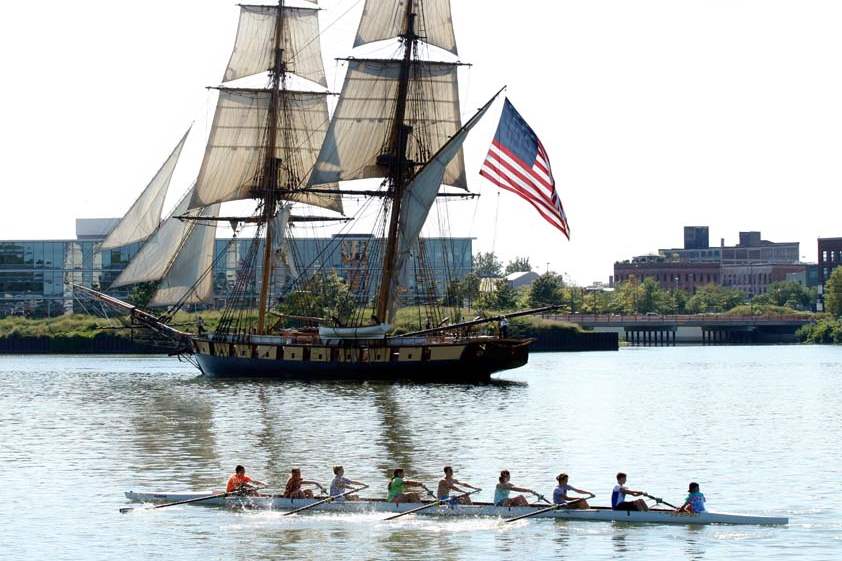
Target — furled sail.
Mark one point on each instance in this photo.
(234, 154)
(419, 196)
(156, 255)
(362, 122)
(385, 19)
(283, 263)
(189, 278)
(254, 48)
(145, 214)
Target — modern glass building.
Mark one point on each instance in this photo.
(36, 275)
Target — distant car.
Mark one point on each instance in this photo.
(652, 314)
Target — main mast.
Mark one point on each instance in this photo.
(270, 168)
(398, 165)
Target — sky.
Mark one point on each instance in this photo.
(655, 113)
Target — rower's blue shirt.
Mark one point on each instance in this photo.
(696, 501)
(500, 495)
(617, 496)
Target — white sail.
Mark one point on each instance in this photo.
(189, 278)
(153, 259)
(363, 120)
(234, 154)
(385, 19)
(419, 196)
(145, 214)
(255, 44)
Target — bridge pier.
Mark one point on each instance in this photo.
(650, 336)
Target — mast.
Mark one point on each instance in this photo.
(398, 165)
(270, 168)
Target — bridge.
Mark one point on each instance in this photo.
(707, 329)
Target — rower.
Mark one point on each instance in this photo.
(239, 482)
(448, 484)
(340, 483)
(504, 486)
(560, 496)
(397, 486)
(695, 501)
(618, 496)
(293, 488)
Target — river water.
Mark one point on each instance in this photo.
(758, 427)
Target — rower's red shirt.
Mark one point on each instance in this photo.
(235, 481)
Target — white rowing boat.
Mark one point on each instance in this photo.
(276, 502)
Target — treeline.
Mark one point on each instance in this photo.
(631, 297)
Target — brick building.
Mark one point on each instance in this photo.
(750, 266)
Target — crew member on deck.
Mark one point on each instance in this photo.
(240, 482)
(293, 488)
(340, 484)
(618, 496)
(448, 484)
(504, 327)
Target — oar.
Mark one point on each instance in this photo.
(331, 498)
(541, 497)
(659, 500)
(431, 505)
(543, 510)
(131, 508)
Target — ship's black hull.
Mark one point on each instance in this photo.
(478, 361)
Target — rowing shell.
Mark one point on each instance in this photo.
(276, 502)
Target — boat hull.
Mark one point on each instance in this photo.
(274, 502)
(470, 362)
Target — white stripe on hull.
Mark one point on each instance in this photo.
(481, 509)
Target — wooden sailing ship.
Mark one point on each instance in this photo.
(397, 119)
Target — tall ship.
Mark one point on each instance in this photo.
(396, 119)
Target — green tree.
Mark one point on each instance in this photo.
(142, 293)
(470, 288)
(454, 295)
(789, 294)
(626, 296)
(487, 265)
(323, 295)
(546, 290)
(833, 293)
(518, 265)
(713, 298)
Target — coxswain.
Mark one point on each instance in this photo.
(448, 484)
(618, 496)
(340, 484)
(397, 487)
(239, 482)
(293, 488)
(695, 501)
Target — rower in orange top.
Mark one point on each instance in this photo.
(239, 481)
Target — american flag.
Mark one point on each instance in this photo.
(517, 162)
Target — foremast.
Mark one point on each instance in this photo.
(398, 166)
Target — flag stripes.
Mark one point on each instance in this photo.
(530, 178)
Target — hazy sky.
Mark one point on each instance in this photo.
(655, 113)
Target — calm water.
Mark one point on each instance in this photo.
(759, 427)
